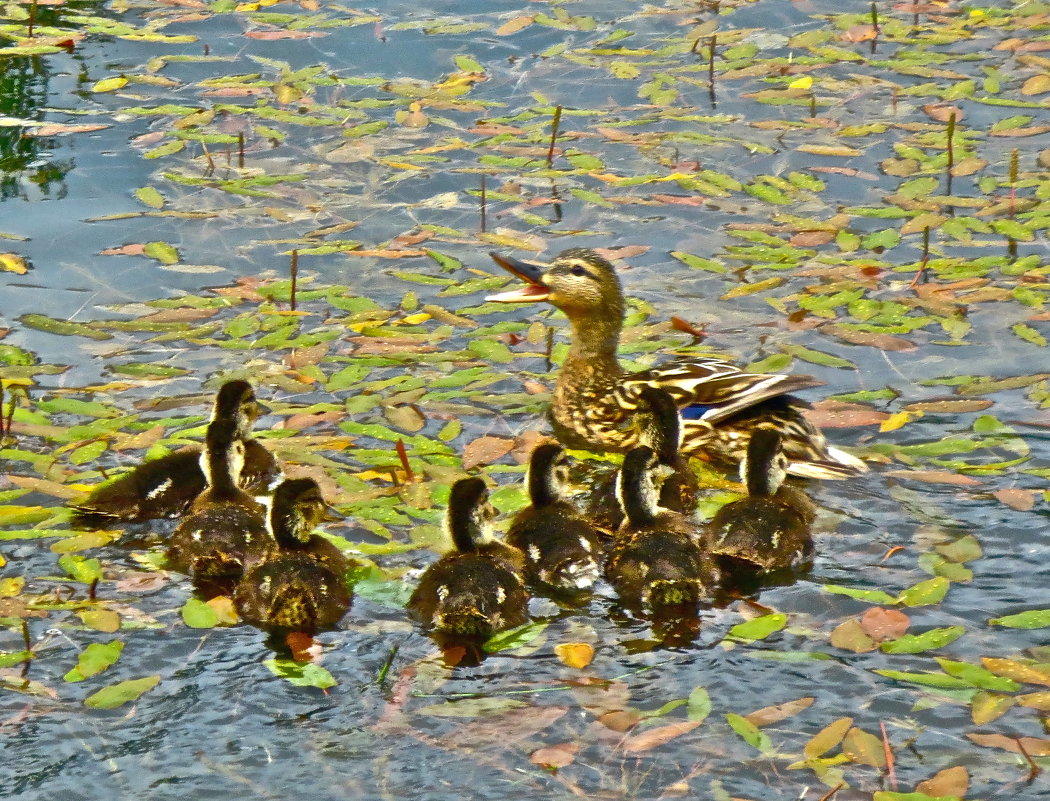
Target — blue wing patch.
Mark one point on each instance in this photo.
(694, 412)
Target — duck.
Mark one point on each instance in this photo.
(661, 430)
(225, 524)
(769, 529)
(300, 583)
(561, 548)
(595, 399)
(478, 588)
(166, 487)
(659, 557)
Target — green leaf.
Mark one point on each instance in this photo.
(925, 593)
(81, 568)
(939, 680)
(198, 615)
(758, 628)
(162, 252)
(149, 196)
(927, 641)
(1032, 619)
(872, 596)
(750, 733)
(514, 638)
(94, 659)
(119, 694)
(977, 676)
(1029, 334)
(301, 674)
(698, 706)
(472, 707)
(697, 263)
(11, 658)
(817, 357)
(65, 328)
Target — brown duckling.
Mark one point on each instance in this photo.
(661, 430)
(225, 523)
(658, 557)
(166, 487)
(300, 584)
(477, 588)
(769, 529)
(560, 547)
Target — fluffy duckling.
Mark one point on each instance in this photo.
(166, 487)
(477, 588)
(225, 523)
(661, 430)
(300, 585)
(658, 558)
(769, 529)
(560, 547)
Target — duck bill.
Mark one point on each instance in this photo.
(333, 515)
(534, 290)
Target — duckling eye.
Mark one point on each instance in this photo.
(578, 270)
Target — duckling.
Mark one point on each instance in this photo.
(658, 557)
(166, 487)
(477, 588)
(769, 529)
(300, 584)
(560, 547)
(660, 429)
(225, 522)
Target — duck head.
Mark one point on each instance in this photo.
(548, 477)
(298, 507)
(236, 401)
(638, 485)
(579, 281)
(470, 514)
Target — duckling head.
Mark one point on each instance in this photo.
(298, 507)
(223, 457)
(661, 425)
(470, 514)
(764, 466)
(548, 477)
(236, 401)
(638, 485)
(579, 281)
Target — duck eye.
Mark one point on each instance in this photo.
(578, 270)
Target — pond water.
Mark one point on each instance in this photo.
(161, 161)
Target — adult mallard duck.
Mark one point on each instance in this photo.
(166, 487)
(477, 588)
(225, 523)
(300, 584)
(594, 399)
(660, 428)
(769, 529)
(659, 557)
(561, 548)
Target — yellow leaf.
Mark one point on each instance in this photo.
(10, 587)
(286, 94)
(100, 619)
(110, 84)
(976, 13)
(898, 420)
(13, 263)
(574, 654)
(225, 614)
(805, 82)
(514, 25)
(416, 319)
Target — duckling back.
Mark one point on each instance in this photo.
(293, 591)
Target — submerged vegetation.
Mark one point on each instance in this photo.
(860, 193)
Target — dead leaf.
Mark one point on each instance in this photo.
(836, 414)
(859, 33)
(873, 340)
(849, 636)
(52, 488)
(225, 614)
(935, 477)
(1018, 671)
(555, 756)
(658, 736)
(950, 406)
(270, 36)
(864, 748)
(514, 25)
(884, 624)
(574, 654)
(942, 112)
(301, 357)
(948, 782)
(1017, 499)
(772, 714)
(827, 738)
(1032, 745)
(621, 720)
(486, 450)
(141, 441)
(134, 249)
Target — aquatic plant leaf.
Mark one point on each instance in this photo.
(301, 674)
(514, 638)
(10, 658)
(94, 659)
(987, 706)
(553, 757)
(81, 568)
(472, 707)
(849, 635)
(100, 619)
(758, 628)
(574, 654)
(827, 738)
(698, 705)
(1032, 619)
(1012, 669)
(778, 712)
(950, 782)
(750, 733)
(925, 593)
(198, 615)
(121, 693)
(661, 735)
(873, 596)
(928, 640)
(62, 327)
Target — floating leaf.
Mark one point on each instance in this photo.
(698, 706)
(928, 640)
(514, 638)
(758, 628)
(198, 615)
(1032, 619)
(574, 654)
(119, 694)
(94, 659)
(301, 674)
(749, 733)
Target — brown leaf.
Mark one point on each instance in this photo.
(935, 477)
(859, 33)
(678, 200)
(387, 253)
(659, 736)
(270, 36)
(599, 696)
(297, 422)
(514, 25)
(1031, 130)
(986, 707)
(836, 414)
(225, 614)
(884, 624)
(304, 647)
(301, 357)
(1036, 85)
(624, 251)
(574, 654)
(140, 441)
(486, 450)
(1032, 745)
(1040, 701)
(506, 728)
(864, 748)
(772, 714)
(621, 719)
(52, 488)
(555, 756)
(526, 443)
(827, 738)
(942, 112)
(874, 340)
(406, 418)
(1017, 499)
(806, 239)
(58, 129)
(140, 582)
(948, 782)
(951, 406)
(849, 636)
(135, 249)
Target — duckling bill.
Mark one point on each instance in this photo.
(300, 585)
(166, 487)
(560, 547)
(477, 588)
(658, 558)
(769, 529)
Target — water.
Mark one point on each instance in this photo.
(219, 723)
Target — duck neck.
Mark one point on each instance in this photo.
(287, 525)
(221, 474)
(595, 340)
(639, 501)
(467, 531)
(543, 489)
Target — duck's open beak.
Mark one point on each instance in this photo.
(532, 274)
(333, 515)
